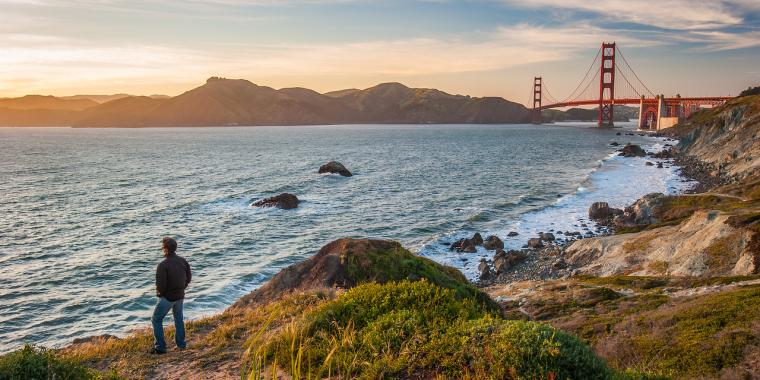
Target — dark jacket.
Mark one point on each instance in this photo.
(172, 278)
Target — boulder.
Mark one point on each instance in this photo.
(335, 167)
(614, 143)
(284, 201)
(493, 242)
(547, 236)
(505, 260)
(602, 213)
(535, 243)
(632, 150)
(649, 163)
(617, 134)
(469, 248)
(477, 239)
(642, 212)
(485, 270)
(467, 245)
(512, 234)
(659, 165)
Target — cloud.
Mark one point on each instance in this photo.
(64, 62)
(667, 14)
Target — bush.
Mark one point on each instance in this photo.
(417, 329)
(750, 91)
(33, 363)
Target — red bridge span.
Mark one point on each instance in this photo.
(609, 81)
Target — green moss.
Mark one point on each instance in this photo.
(417, 329)
(38, 363)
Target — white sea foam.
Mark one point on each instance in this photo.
(617, 180)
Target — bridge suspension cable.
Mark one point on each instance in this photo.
(644, 89)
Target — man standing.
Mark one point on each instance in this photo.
(172, 278)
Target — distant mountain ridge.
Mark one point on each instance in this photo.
(225, 102)
(239, 102)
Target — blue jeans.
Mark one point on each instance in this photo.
(162, 308)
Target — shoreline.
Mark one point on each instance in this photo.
(548, 263)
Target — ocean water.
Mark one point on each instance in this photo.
(83, 211)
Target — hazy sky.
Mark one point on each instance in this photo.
(474, 47)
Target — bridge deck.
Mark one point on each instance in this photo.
(592, 102)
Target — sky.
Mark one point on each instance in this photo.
(471, 47)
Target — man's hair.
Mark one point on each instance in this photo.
(169, 246)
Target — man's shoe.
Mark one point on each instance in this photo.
(181, 348)
(156, 351)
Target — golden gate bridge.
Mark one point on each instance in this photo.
(618, 83)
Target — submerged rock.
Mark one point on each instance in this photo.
(614, 143)
(335, 167)
(284, 201)
(512, 234)
(649, 163)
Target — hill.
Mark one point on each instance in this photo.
(227, 102)
(239, 102)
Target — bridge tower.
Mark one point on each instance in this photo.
(536, 115)
(607, 85)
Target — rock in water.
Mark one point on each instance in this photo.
(535, 243)
(512, 234)
(335, 167)
(632, 150)
(493, 242)
(547, 236)
(614, 143)
(284, 201)
(477, 239)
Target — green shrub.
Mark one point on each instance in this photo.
(33, 363)
(400, 264)
(418, 329)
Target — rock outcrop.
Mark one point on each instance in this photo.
(602, 213)
(468, 245)
(703, 245)
(284, 201)
(344, 263)
(335, 167)
(505, 260)
(642, 212)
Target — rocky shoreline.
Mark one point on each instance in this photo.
(547, 261)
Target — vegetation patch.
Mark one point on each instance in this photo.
(32, 362)
(417, 329)
(701, 336)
